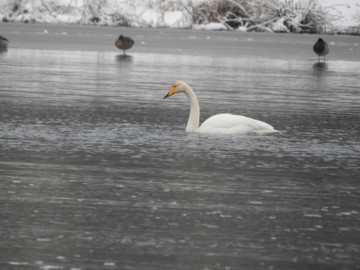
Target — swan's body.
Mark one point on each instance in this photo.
(321, 48)
(227, 123)
(220, 123)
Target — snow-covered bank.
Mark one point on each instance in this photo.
(135, 13)
(270, 16)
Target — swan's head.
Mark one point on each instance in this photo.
(177, 87)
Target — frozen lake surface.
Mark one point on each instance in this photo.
(97, 171)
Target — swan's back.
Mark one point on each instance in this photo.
(234, 124)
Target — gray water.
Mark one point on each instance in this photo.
(97, 171)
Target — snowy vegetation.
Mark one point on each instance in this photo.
(270, 16)
(243, 15)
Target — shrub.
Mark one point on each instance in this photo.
(264, 15)
(247, 15)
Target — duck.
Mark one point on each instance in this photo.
(3, 43)
(124, 43)
(224, 123)
(321, 48)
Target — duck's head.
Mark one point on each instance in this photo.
(177, 87)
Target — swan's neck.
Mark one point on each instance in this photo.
(194, 116)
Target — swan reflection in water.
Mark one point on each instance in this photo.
(221, 123)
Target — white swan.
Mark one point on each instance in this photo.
(221, 123)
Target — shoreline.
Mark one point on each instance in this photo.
(177, 41)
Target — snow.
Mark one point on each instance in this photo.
(150, 13)
(347, 10)
(210, 26)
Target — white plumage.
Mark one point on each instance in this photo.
(221, 123)
(227, 123)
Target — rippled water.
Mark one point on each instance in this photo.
(97, 171)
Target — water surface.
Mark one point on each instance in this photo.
(97, 171)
